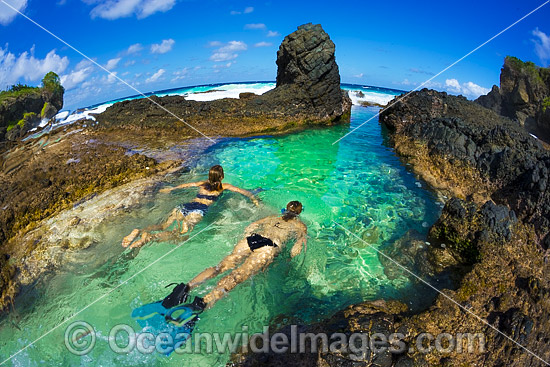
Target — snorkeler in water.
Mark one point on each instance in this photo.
(263, 240)
(189, 214)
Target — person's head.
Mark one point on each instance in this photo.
(293, 209)
(215, 177)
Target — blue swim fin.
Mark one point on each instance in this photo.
(177, 322)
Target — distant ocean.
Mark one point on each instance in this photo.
(209, 92)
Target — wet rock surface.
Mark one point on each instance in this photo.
(307, 93)
(42, 178)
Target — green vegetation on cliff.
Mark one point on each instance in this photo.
(545, 104)
(527, 67)
(52, 83)
(17, 90)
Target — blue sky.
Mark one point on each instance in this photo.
(161, 44)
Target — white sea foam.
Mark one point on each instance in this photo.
(230, 91)
(369, 96)
(81, 114)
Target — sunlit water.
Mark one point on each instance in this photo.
(358, 183)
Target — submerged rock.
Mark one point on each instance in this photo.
(307, 93)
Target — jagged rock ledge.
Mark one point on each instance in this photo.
(307, 93)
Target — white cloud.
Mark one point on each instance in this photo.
(263, 44)
(163, 47)
(152, 6)
(542, 46)
(111, 64)
(214, 44)
(136, 47)
(7, 14)
(468, 89)
(109, 78)
(228, 51)
(233, 46)
(360, 75)
(273, 34)
(223, 66)
(76, 77)
(155, 76)
(114, 9)
(255, 26)
(247, 10)
(129, 63)
(223, 56)
(453, 85)
(27, 67)
(180, 74)
(474, 90)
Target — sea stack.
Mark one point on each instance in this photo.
(307, 70)
(307, 93)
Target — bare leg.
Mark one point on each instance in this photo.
(145, 237)
(240, 251)
(132, 236)
(174, 215)
(189, 222)
(257, 261)
(128, 239)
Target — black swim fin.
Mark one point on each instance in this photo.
(178, 296)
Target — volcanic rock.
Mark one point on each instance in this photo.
(523, 96)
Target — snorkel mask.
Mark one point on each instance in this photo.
(283, 210)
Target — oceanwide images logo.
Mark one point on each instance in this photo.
(80, 339)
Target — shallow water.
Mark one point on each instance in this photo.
(357, 182)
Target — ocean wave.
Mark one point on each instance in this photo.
(230, 91)
(366, 95)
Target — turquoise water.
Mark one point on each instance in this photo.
(357, 182)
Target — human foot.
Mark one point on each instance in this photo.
(128, 239)
(145, 237)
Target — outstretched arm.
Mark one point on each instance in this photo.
(301, 241)
(182, 186)
(243, 192)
